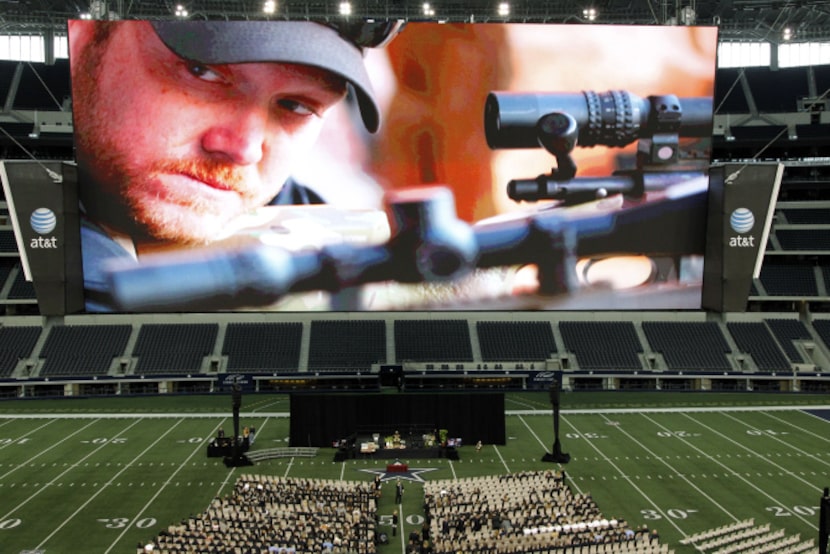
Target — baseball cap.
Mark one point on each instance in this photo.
(323, 45)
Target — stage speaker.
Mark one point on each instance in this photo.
(383, 538)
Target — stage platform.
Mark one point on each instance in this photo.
(221, 447)
(410, 448)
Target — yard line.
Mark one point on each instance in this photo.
(400, 527)
(228, 476)
(225, 482)
(67, 470)
(264, 423)
(29, 433)
(816, 435)
(575, 485)
(36, 456)
(161, 488)
(105, 485)
(630, 482)
(287, 469)
(532, 432)
(523, 403)
(278, 401)
(452, 468)
(676, 472)
(724, 466)
(764, 458)
(501, 458)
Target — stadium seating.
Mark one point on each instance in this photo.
(21, 289)
(754, 338)
(262, 346)
(433, 340)
(789, 280)
(805, 216)
(16, 343)
(603, 344)
(82, 350)
(7, 241)
(787, 331)
(6, 265)
(689, 345)
(822, 327)
(169, 348)
(804, 239)
(338, 345)
(515, 340)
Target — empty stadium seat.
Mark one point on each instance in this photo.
(433, 340)
(689, 345)
(338, 345)
(603, 344)
(173, 347)
(262, 346)
(515, 340)
(83, 350)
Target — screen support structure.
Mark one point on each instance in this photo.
(237, 459)
(557, 456)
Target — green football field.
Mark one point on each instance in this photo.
(102, 475)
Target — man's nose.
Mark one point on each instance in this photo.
(240, 139)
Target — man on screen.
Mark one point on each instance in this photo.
(185, 130)
(181, 127)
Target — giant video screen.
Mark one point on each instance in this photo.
(355, 166)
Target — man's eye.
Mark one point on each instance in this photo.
(203, 72)
(295, 106)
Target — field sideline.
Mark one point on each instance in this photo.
(101, 475)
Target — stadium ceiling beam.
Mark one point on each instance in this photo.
(740, 20)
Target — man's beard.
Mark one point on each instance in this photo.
(127, 197)
(193, 218)
(143, 207)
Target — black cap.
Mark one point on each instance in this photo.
(300, 42)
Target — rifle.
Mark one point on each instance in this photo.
(663, 213)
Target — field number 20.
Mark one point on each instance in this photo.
(781, 511)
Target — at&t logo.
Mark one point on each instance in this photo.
(742, 221)
(43, 222)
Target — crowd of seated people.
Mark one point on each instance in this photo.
(518, 513)
(266, 514)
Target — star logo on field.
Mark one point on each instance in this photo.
(412, 474)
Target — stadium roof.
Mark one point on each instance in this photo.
(738, 20)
